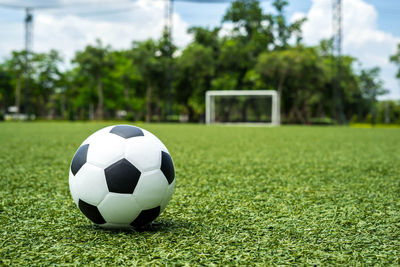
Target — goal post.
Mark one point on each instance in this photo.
(273, 108)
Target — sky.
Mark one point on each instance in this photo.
(371, 28)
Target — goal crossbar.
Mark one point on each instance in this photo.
(210, 102)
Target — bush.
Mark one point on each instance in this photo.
(368, 119)
(130, 116)
(71, 115)
(323, 121)
(354, 119)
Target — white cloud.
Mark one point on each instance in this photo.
(72, 29)
(361, 36)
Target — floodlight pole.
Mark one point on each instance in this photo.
(28, 51)
(168, 20)
(337, 59)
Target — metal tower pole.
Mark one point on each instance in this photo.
(168, 28)
(337, 60)
(28, 55)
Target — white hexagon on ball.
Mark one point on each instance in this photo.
(105, 149)
(144, 153)
(122, 176)
(89, 184)
(119, 208)
(168, 196)
(96, 134)
(155, 140)
(151, 189)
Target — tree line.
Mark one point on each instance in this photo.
(153, 80)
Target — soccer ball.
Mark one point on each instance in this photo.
(121, 177)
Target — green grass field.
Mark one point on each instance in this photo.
(244, 196)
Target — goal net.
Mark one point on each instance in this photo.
(243, 106)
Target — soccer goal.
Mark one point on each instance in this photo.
(258, 107)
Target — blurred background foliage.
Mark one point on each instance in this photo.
(262, 51)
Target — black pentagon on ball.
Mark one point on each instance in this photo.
(79, 159)
(122, 177)
(146, 216)
(167, 167)
(91, 212)
(127, 131)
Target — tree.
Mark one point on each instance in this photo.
(245, 14)
(16, 65)
(254, 33)
(6, 94)
(128, 84)
(371, 86)
(165, 82)
(195, 68)
(298, 74)
(285, 31)
(93, 63)
(48, 77)
(396, 60)
(388, 111)
(145, 55)
(263, 29)
(207, 37)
